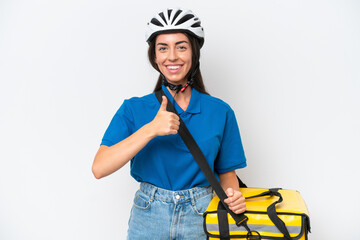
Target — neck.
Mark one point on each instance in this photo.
(183, 97)
(173, 86)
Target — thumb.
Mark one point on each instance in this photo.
(163, 103)
(229, 192)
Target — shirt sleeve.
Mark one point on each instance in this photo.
(231, 155)
(120, 127)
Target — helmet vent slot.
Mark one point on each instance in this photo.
(176, 15)
(197, 24)
(169, 13)
(156, 22)
(163, 17)
(184, 19)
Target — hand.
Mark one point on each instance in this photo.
(235, 201)
(165, 123)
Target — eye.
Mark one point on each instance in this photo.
(181, 47)
(162, 49)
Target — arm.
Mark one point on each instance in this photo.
(111, 159)
(230, 184)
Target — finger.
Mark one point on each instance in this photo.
(239, 209)
(174, 116)
(229, 192)
(176, 122)
(238, 195)
(175, 127)
(173, 131)
(236, 202)
(163, 104)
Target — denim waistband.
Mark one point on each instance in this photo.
(174, 196)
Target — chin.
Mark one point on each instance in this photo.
(174, 79)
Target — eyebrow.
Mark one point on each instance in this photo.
(165, 44)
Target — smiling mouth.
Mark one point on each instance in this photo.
(173, 67)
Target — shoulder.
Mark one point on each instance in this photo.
(214, 102)
(136, 104)
(146, 100)
(149, 98)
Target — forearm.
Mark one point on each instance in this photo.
(229, 180)
(111, 159)
(230, 184)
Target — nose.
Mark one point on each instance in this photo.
(172, 54)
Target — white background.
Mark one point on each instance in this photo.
(289, 69)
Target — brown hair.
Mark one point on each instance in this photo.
(195, 47)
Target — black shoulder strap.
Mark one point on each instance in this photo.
(199, 157)
(201, 161)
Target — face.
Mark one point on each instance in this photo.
(173, 55)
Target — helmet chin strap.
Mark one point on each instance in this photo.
(180, 88)
(172, 87)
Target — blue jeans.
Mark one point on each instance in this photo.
(161, 214)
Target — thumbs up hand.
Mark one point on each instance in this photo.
(165, 123)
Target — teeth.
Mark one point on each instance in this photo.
(173, 67)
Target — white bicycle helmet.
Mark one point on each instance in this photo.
(175, 20)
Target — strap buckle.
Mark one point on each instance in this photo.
(250, 235)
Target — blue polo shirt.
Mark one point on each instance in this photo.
(165, 161)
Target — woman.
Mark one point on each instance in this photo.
(173, 193)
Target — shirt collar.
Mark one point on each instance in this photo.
(194, 105)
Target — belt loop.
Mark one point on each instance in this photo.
(152, 195)
(192, 197)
